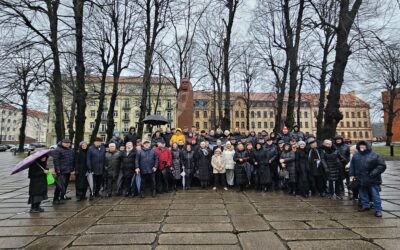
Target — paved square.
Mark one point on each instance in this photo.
(196, 219)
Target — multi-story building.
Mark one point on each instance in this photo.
(396, 121)
(10, 123)
(127, 107)
(355, 124)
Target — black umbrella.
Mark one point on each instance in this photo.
(155, 120)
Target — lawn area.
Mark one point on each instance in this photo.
(385, 152)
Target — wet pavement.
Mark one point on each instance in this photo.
(196, 219)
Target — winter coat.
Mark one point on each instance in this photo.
(297, 135)
(228, 158)
(156, 140)
(261, 164)
(290, 165)
(176, 164)
(302, 169)
(131, 138)
(211, 139)
(285, 137)
(164, 158)
(128, 163)
(203, 164)
(331, 160)
(215, 148)
(81, 169)
(113, 163)
(176, 138)
(38, 180)
(117, 141)
(314, 163)
(367, 167)
(96, 159)
(167, 139)
(218, 164)
(272, 154)
(252, 139)
(240, 171)
(146, 160)
(63, 159)
(188, 161)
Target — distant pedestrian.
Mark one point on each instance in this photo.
(95, 164)
(146, 164)
(81, 183)
(37, 184)
(63, 158)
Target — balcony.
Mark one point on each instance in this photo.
(126, 119)
(126, 107)
(169, 108)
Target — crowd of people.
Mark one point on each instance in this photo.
(169, 160)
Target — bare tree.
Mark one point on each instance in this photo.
(23, 74)
(41, 19)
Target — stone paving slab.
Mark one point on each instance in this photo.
(44, 215)
(197, 212)
(136, 213)
(388, 244)
(50, 243)
(240, 208)
(200, 247)
(295, 216)
(24, 231)
(94, 211)
(247, 223)
(260, 240)
(111, 247)
(289, 225)
(371, 222)
(197, 228)
(324, 224)
(195, 206)
(115, 239)
(197, 219)
(197, 239)
(136, 207)
(73, 226)
(379, 233)
(332, 245)
(320, 234)
(30, 222)
(15, 242)
(124, 228)
(129, 220)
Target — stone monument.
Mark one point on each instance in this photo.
(185, 107)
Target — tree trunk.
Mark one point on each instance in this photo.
(71, 115)
(322, 91)
(24, 111)
(80, 75)
(299, 99)
(332, 112)
(280, 95)
(391, 116)
(100, 108)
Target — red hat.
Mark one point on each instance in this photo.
(285, 129)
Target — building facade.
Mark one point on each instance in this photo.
(356, 122)
(396, 121)
(10, 123)
(127, 107)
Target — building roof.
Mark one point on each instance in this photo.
(31, 112)
(129, 79)
(346, 100)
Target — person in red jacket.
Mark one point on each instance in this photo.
(164, 167)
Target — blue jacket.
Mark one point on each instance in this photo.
(63, 159)
(96, 159)
(367, 166)
(146, 160)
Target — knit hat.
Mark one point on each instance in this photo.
(281, 142)
(66, 140)
(81, 143)
(327, 142)
(301, 143)
(98, 139)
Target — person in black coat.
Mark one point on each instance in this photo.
(261, 164)
(317, 171)
(302, 169)
(95, 164)
(37, 184)
(81, 183)
(203, 164)
(272, 155)
(188, 165)
(331, 160)
(128, 167)
(131, 136)
(287, 160)
(241, 157)
(344, 152)
(63, 159)
(367, 167)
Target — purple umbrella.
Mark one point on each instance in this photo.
(29, 160)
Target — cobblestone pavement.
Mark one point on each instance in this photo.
(197, 220)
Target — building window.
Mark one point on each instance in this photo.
(271, 114)
(103, 137)
(137, 113)
(92, 113)
(259, 124)
(242, 114)
(343, 134)
(365, 114)
(197, 114)
(301, 124)
(366, 124)
(169, 104)
(342, 124)
(126, 103)
(355, 134)
(348, 124)
(253, 125)
(103, 127)
(366, 135)
(103, 115)
(265, 124)
(237, 114)
(205, 114)
(205, 125)
(353, 115)
(126, 127)
(265, 114)
(359, 124)
(115, 113)
(271, 124)
(197, 124)
(169, 116)
(126, 115)
(354, 124)
(242, 125)
(252, 114)
(305, 114)
(360, 134)
(127, 89)
(349, 134)
(359, 114)
(237, 124)
(315, 114)
(92, 125)
(347, 114)
(92, 102)
(306, 124)
(259, 114)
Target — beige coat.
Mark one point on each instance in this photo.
(228, 158)
(217, 162)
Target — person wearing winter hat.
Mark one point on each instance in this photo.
(297, 134)
(178, 136)
(367, 167)
(81, 183)
(287, 160)
(302, 169)
(330, 160)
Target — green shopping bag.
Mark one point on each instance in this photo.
(50, 178)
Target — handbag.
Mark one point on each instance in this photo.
(354, 184)
(50, 179)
